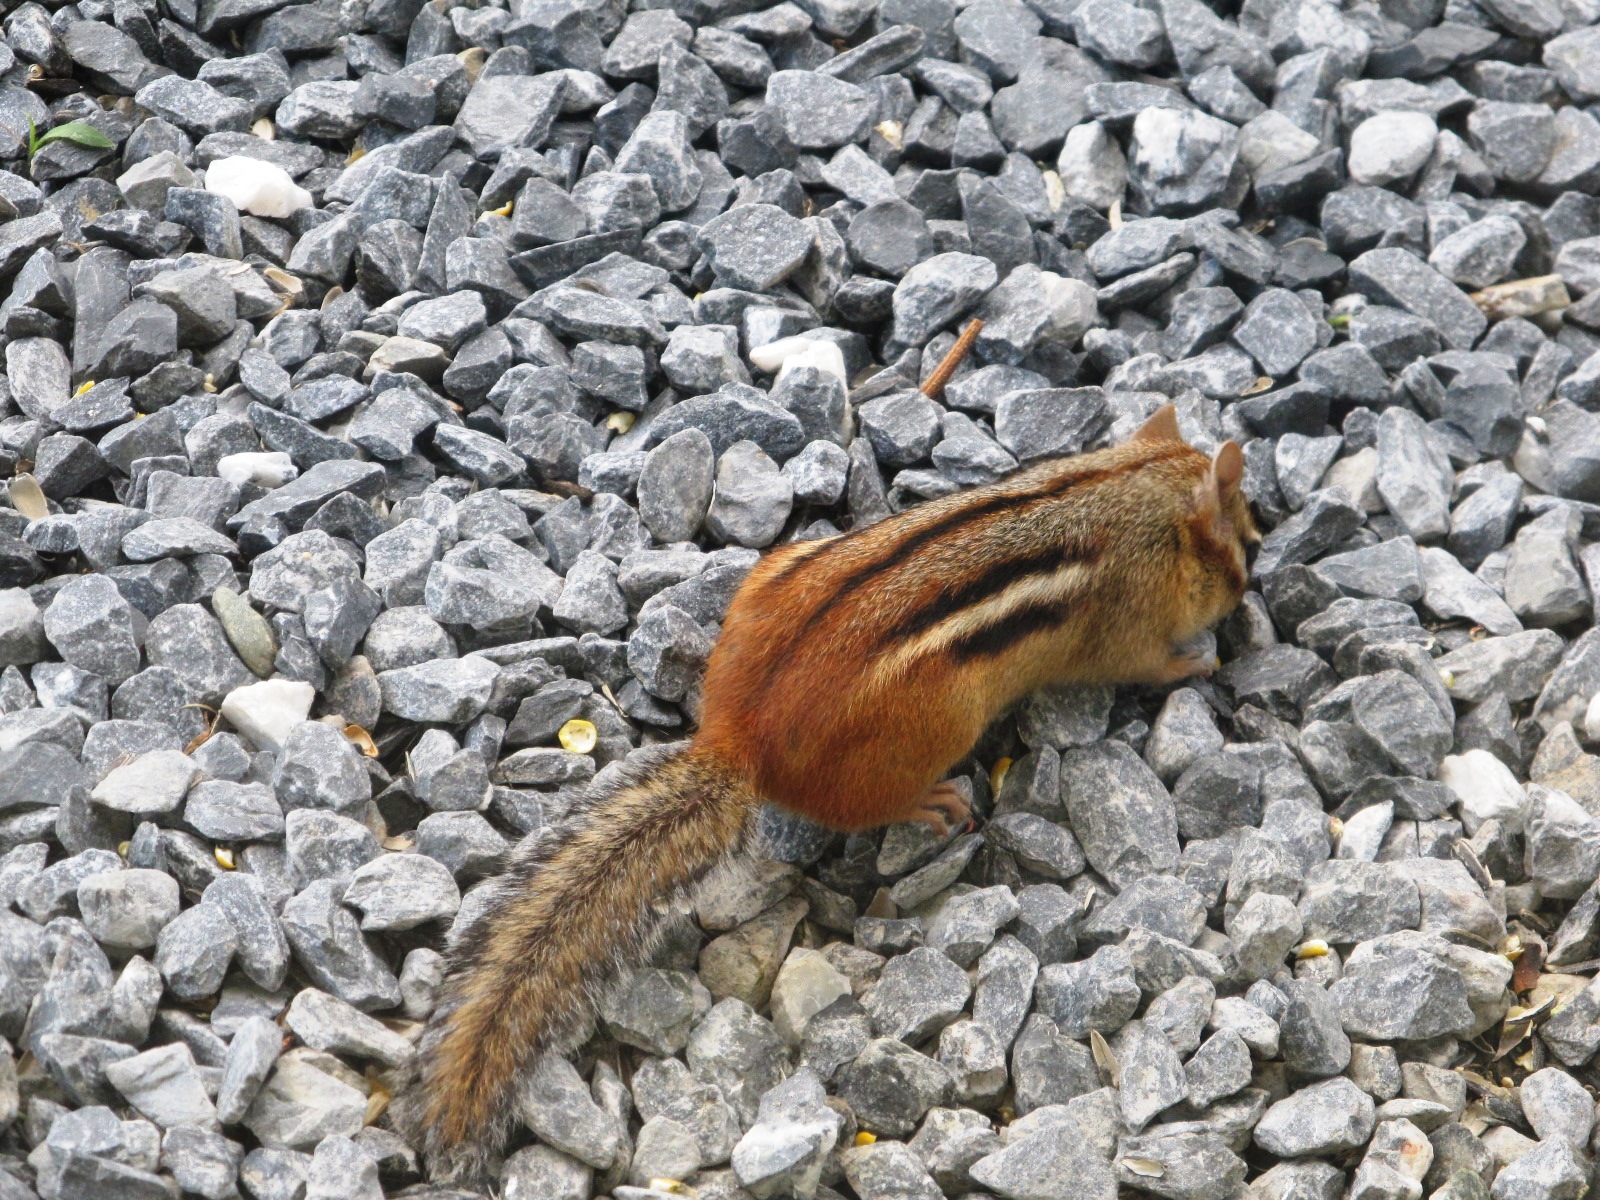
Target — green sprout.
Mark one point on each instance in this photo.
(73, 131)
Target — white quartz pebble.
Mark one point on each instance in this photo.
(1487, 789)
(770, 358)
(825, 356)
(269, 468)
(264, 713)
(259, 188)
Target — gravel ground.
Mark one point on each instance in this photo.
(395, 394)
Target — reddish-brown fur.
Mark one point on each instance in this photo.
(805, 692)
(851, 673)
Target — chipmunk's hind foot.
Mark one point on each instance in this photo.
(943, 807)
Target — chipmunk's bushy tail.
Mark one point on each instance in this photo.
(574, 908)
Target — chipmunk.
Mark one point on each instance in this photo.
(851, 674)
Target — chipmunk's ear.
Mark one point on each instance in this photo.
(1228, 470)
(1162, 427)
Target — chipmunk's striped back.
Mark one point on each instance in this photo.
(851, 666)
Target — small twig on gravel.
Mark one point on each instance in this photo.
(941, 376)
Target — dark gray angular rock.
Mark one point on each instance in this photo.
(1152, 1076)
(659, 148)
(25, 235)
(1221, 1067)
(1328, 1116)
(1313, 1041)
(194, 951)
(250, 1056)
(1400, 278)
(1099, 993)
(701, 358)
(323, 845)
(1389, 570)
(1040, 1162)
(319, 768)
(667, 651)
(755, 246)
(938, 291)
(91, 626)
(994, 36)
(1277, 330)
(1160, 904)
(203, 301)
(819, 112)
(632, 54)
(902, 427)
(262, 953)
(193, 105)
(139, 338)
(227, 811)
(1040, 845)
(402, 891)
(328, 945)
(1202, 40)
(891, 1086)
(1049, 422)
(686, 84)
(1542, 584)
(191, 641)
(1479, 254)
(590, 315)
(1120, 33)
(1410, 985)
(1124, 818)
(503, 111)
(1514, 140)
(889, 237)
(752, 498)
(22, 635)
(1181, 160)
(734, 413)
(1414, 476)
(1486, 404)
(918, 994)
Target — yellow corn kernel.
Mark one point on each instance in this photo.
(224, 857)
(83, 387)
(620, 422)
(1315, 948)
(578, 736)
(866, 1139)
